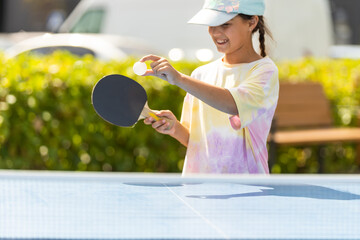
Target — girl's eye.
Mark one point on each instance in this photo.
(225, 25)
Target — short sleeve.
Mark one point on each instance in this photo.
(257, 94)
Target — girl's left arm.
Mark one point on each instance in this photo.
(217, 97)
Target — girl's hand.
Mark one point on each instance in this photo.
(166, 125)
(161, 68)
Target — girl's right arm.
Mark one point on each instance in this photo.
(173, 127)
(217, 97)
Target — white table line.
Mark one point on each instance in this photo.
(199, 214)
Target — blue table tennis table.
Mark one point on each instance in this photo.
(69, 205)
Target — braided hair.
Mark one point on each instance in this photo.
(262, 28)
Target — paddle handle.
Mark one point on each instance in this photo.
(147, 112)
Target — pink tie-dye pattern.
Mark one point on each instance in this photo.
(226, 148)
(259, 130)
(230, 155)
(226, 155)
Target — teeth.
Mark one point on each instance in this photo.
(221, 41)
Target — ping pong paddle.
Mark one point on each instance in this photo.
(120, 100)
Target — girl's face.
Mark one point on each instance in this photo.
(234, 36)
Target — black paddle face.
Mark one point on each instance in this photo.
(118, 100)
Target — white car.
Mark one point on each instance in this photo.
(9, 39)
(345, 51)
(299, 27)
(5, 43)
(104, 47)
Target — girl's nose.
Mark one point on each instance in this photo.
(213, 30)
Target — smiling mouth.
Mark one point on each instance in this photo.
(222, 42)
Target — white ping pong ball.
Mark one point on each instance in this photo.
(140, 68)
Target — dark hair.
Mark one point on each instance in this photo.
(262, 28)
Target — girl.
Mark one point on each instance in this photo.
(230, 103)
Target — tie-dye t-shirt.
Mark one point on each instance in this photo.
(221, 143)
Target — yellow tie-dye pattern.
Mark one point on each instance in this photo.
(214, 146)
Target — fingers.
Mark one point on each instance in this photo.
(165, 125)
(151, 57)
(160, 71)
(157, 65)
(165, 129)
(159, 124)
(162, 125)
(154, 71)
(154, 58)
(161, 68)
(149, 72)
(149, 121)
(167, 114)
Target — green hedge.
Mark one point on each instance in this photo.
(47, 120)
(341, 82)
(340, 79)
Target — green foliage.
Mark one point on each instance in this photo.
(340, 79)
(47, 120)
(341, 82)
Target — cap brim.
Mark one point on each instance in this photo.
(211, 17)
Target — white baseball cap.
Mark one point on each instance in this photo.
(218, 12)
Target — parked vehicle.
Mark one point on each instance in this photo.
(5, 43)
(105, 47)
(161, 23)
(345, 51)
(9, 39)
(299, 27)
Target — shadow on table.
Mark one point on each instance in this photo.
(305, 191)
